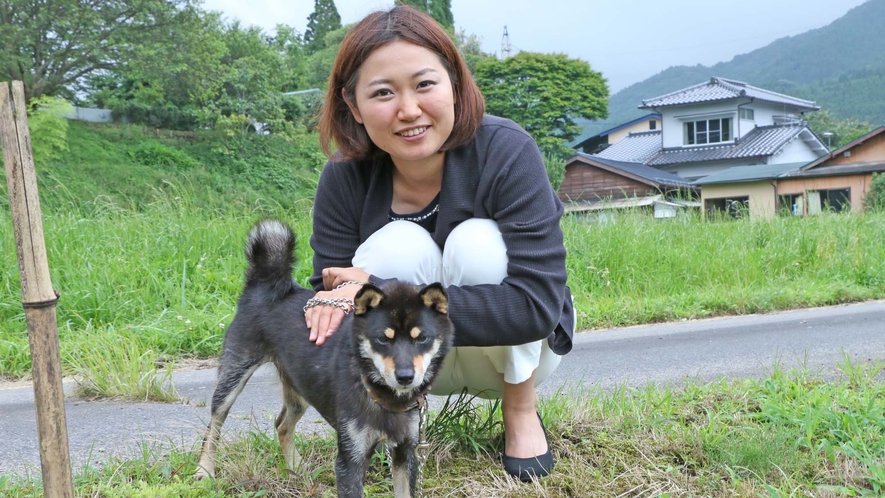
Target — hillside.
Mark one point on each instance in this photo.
(131, 167)
(841, 66)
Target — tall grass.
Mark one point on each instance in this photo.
(638, 270)
(170, 274)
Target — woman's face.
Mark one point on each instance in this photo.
(404, 98)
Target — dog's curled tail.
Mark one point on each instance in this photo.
(270, 251)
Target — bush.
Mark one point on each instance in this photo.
(875, 198)
(157, 155)
(48, 128)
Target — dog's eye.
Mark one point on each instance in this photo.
(383, 340)
(422, 339)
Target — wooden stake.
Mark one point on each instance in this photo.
(38, 297)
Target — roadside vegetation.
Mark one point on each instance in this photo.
(145, 231)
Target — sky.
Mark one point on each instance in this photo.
(627, 40)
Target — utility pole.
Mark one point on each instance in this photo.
(505, 45)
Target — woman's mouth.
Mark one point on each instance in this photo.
(413, 132)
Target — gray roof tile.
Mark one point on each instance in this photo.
(761, 142)
(638, 169)
(637, 147)
(749, 173)
(724, 89)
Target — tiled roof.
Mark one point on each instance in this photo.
(842, 169)
(637, 147)
(749, 173)
(588, 135)
(762, 141)
(724, 89)
(638, 169)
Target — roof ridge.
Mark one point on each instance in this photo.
(644, 132)
(675, 92)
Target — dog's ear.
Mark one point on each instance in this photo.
(434, 296)
(367, 297)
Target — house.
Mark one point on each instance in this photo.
(592, 143)
(706, 129)
(837, 181)
(719, 124)
(593, 184)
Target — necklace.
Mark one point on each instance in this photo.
(418, 218)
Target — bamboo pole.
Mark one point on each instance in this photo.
(38, 297)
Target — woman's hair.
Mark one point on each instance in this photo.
(401, 23)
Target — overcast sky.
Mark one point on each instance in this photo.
(627, 40)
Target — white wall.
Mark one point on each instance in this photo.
(796, 151)
(673, 118)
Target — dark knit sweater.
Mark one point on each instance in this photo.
(499, 175)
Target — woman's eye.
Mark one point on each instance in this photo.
(426, 84)
(381, 93)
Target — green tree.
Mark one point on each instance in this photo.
(543, 93)
(320, 22)
(470, 47)
(874, 200)
(319, 64)
(52, 45)
(440, 10)
(843, 131)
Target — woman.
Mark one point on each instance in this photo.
(425, 188)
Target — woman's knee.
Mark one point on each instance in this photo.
(401, 250)
(475, 253)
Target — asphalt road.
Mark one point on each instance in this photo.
(669, 354)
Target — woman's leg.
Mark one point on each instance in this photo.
(475, 253)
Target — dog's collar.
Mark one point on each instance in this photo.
(418, 402)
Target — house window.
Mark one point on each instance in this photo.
(708, 131)
(791, 205)
(747, 114)
(652, 125)
(728, 207)
(833, 200)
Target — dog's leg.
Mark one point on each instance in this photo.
(405, 470)
(356, 442)
(294, 407)
(232, 377)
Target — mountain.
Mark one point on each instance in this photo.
(841, 66)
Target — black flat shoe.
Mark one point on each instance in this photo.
(527, 468)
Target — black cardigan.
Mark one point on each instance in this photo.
(499, 175)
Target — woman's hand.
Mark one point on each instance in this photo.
(324, 320)
(333, 277)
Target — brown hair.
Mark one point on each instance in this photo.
(374, 31)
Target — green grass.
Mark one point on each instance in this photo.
(791, 434)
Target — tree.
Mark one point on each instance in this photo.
(319, 64)
(440, 10)
(543, 93)
(874, 200)
(52, 45)
(320, 22)
(843, 131)
(470, 47)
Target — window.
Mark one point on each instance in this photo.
(837, 200)
(728, 207)
(791, 205)
(708, 131)
(652, 125)
(747, 114)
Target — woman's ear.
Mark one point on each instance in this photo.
(353, 108)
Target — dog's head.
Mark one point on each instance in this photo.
(402, 333)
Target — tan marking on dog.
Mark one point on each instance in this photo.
(436, 299)
(389, 333)
(426, 359)
(415, 332)
(367, 298)
(420, 365)
(389, 367)
(377, 374)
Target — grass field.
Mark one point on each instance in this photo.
(145, 239)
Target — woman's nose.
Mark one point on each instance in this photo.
(410, 107)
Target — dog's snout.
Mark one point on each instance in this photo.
(405, 376)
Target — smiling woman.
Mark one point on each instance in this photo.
(424, 188)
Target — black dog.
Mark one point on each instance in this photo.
(365, 380)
